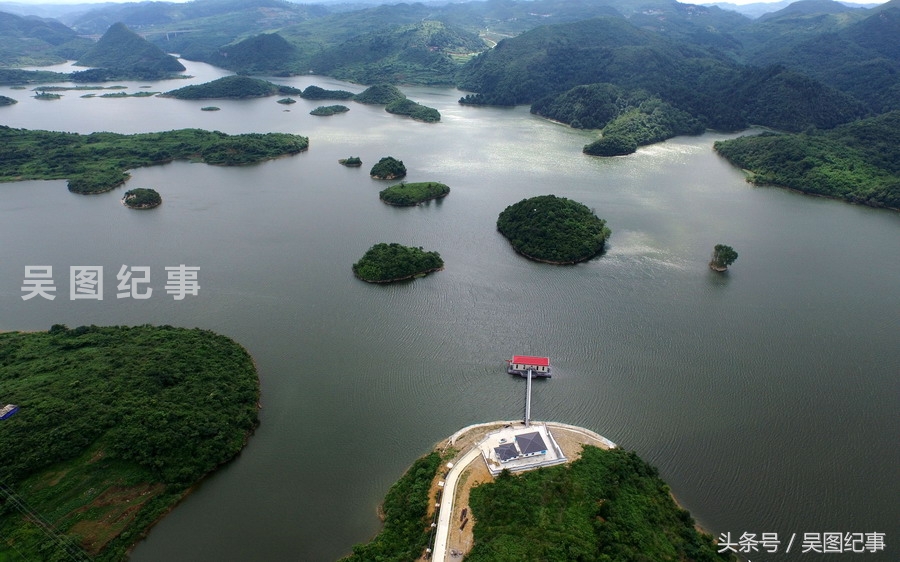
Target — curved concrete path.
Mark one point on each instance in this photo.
(442, 533)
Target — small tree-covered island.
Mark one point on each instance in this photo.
(722, 257)
(409, 194)
(115, 426)
(351, 161)
(141, 198)
(326, 110)
(553, 230)
(388, 168)
(385, 263)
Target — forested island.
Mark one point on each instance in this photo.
(396, 102)
(99, 162)
(141, 198)
(351, 161)
(232, 87)
(4, 100)
(317, 93)
(409, 194)
(385, 263)
(553, 230)
(115, 426)
(379, 94)
(326, 110)
(388, 168)
(414, 110)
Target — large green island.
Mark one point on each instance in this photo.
(98, 162)
(385, 263)
(115, 426)
(232, 87)
(553, 230)
(410, 194)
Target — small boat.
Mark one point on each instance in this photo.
(521, 364)
(7, 411)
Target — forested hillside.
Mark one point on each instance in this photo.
(640, 72)
(115, 425)
(858, 162)
(420, 53)
(33, 41)
(123, 50)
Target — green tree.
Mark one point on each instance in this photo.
(722, 257)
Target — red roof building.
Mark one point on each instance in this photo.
(521, 364)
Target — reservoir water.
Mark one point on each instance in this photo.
(768, 397)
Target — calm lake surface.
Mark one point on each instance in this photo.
(768, 397)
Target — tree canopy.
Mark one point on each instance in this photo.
(388, 168)
(394, 262)
(858, 162)
(722, 257)
(233, 87)
(408, 194)
(325, 110)
(115, 424)
(98, 162)
(142, 198)
(405, 532)
(607, 505)
(553, 229)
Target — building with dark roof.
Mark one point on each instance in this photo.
(506, 452)
(531, 444)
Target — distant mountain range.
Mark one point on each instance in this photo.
(812, 64)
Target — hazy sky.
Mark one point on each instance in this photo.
(398, 1)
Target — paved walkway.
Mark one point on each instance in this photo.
(447, 496)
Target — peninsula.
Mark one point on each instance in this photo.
(553, 230)
(386, 263)
(116, 425)
(592, 501)
(99, 162)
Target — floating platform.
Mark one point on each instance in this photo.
(521, 364)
